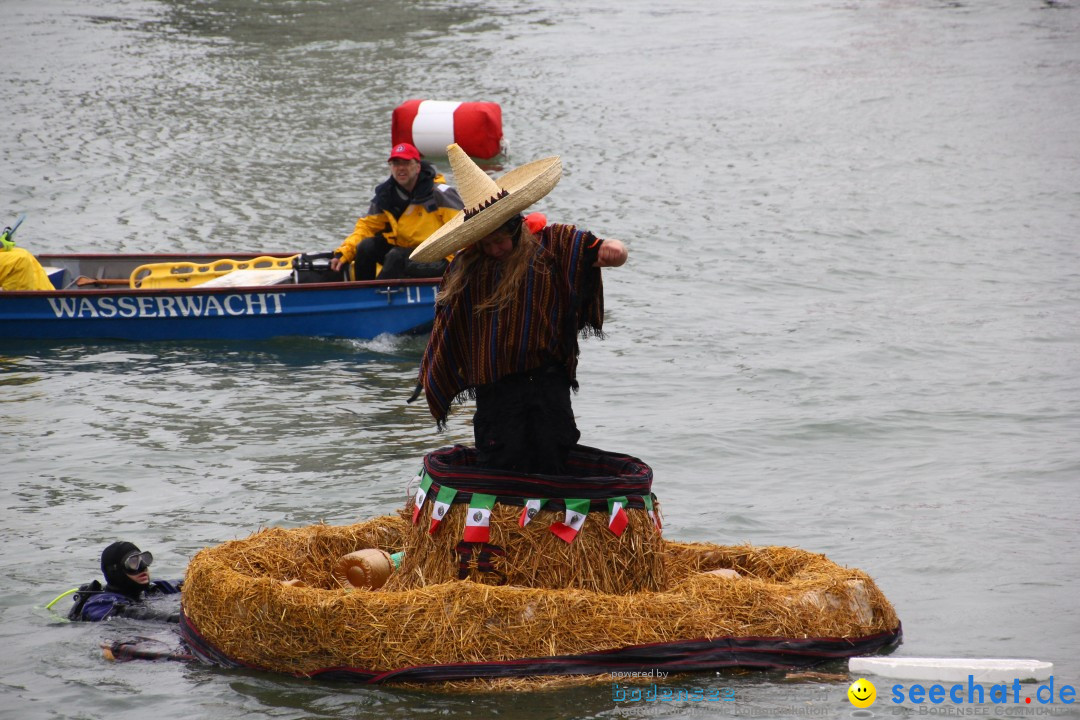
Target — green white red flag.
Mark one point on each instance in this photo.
(421, 496)
(478, 521)
(441, 507)
(617, 518)
(653, 514)
(576, 513)
(529, 511)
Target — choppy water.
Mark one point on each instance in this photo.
(850, 323)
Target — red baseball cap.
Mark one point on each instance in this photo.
(405, 151)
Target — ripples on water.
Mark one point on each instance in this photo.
(849, 322)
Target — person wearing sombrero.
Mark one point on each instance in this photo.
(508, 315)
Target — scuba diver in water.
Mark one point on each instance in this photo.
(127, 587)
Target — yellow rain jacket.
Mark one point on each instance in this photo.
(19, 270)
(405, 222)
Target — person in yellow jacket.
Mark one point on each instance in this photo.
(19, 270)
(408, 207)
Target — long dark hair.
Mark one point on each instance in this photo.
(513, 271)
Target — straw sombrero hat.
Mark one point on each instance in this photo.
(488, 203)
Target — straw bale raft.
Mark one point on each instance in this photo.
(239, 611)
(494, 588)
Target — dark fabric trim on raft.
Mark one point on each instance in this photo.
(201, 648)
(591, 474)
(758, 653)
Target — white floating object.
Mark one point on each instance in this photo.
(249, 278)
(988, 670)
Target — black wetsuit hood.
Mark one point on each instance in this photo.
(112, 559)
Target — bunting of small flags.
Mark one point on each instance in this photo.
(478, 521)
(529, 512)
(442, 506)
(653, 515)
(421, 496)
(617, 519)
(576, 512)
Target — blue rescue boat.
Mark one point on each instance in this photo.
(244, 296)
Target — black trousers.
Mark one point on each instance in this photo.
(524, 422)
(394, 259)
(369, 253)
(396, 264)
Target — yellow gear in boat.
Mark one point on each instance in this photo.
(189, 274)
(19, 270)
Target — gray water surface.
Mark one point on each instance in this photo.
(850, 321)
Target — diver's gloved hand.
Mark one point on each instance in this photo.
(145, 612)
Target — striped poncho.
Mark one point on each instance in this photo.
(561, 296)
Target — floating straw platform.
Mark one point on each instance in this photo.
(238, 611)
(526, 606)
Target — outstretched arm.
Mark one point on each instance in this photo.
(612, 253)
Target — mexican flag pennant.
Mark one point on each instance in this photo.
(421, 496)
(653, 515)
(617, 519)
(478, 521)
(442, 506)
(576, 512)
(529, 512)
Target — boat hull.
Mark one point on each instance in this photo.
(361, 310)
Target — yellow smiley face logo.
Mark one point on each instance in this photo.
(862, 693)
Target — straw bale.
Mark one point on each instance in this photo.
(535, 557)
(234, 595)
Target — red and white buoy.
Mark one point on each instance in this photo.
(431, 125)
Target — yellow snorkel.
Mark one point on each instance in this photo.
(60, 597)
